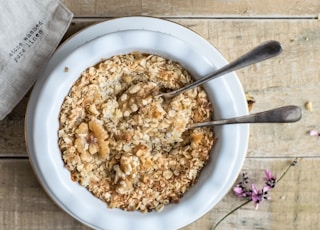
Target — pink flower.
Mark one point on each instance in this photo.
(314, 133)
(258, 196)
(252, 193)
(268, 174)
(240, 191)
(241, 188)
(269, 179)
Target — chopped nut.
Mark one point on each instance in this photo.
(82, 129)
(134, 107)
(192, 174)
(308, 106)
(196, 139)
(124, 97)
(126, 164)
(250, 100)
(93, 109)
(134, 89)
(167, 174)
(80, 145)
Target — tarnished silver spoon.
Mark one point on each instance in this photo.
(290, 113)
(262, 52)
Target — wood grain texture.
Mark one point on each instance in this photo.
(194, 8)
(291, 78)
(24, 204)
(233, 27)
(12, 142)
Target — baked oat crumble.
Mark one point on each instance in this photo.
(128, 147)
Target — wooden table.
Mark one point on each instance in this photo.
(233, 27)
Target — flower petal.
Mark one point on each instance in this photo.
(268, 174)
(254, 189)
(238, 190)
(314, 133)
(266, 189)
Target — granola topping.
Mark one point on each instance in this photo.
(127, 146)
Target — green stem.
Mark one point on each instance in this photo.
(229, 213)
(293, 163)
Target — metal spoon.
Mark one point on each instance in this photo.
(262, 52)
(284, 114)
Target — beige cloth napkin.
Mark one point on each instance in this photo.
(30, 32)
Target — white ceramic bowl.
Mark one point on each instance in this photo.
(120, 36)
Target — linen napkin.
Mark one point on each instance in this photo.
(30, 32)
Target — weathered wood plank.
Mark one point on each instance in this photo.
(194, 8)
(291, 205)
(12, 141)
(294, 203)
(24, 204)
(300, 40)
(291, 78)
(233, 27)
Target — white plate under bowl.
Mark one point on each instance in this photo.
(121, 36)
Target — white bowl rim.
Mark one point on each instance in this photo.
(146, 24)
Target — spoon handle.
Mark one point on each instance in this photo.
(284, 114)
(260, 53)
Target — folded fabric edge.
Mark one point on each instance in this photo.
(61, 9)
